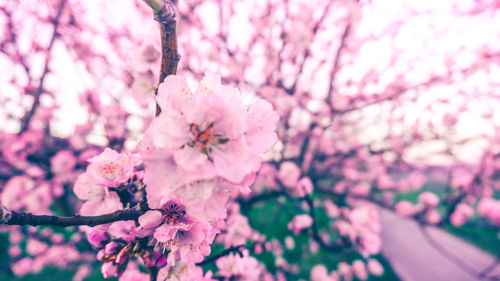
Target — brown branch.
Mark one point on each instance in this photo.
(165, 13)
(22, 218)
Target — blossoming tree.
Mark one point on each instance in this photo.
(289, 124)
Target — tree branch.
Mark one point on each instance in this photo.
(165, 13)
(22, 218)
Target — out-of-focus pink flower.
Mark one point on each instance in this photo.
(406, 209)
(416, 180)
(143, 87)
(359, 270)
(430, 199)
(63, 162)
(461, 178)
(246, 267)
(22, 267)
(384, 181)
(132, 274)
(82, 272)
(432, 216)
(289, 243)
(35, 247)
(375, 267)
(304, 187)
(109, 269)
(461, 214)
(344, 271)
(115, 120)
(300, 222)
(320, 273)
(331, 209)
(289, 174)
(371, 243)
(490, 209)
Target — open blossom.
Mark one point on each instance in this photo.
(111, 168)
(187, 239)
(211, 132)
(99, 199)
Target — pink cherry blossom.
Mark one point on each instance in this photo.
(209, 128)
(289, 174)
(111, 168)
(429, 199)
(375, 268)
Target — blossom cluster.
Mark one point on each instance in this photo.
(200, 151)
